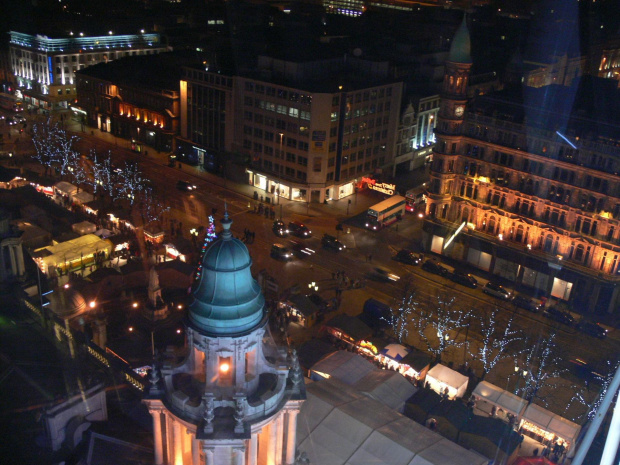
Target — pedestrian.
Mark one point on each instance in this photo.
(535, 453)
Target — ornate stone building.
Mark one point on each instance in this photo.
(531, 175)
(235, 396)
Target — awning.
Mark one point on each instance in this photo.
(303, 305)
(551, 422)
(500, 398)
(395, 351)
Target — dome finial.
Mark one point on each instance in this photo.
(226, 223)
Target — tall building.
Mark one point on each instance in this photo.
(45, 67)
(310, 128)
(528, 179)
(235, 396)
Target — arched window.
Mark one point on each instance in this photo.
(465, 214)
(519, 235)
(579, 253)
(548, 243)
(491, 225)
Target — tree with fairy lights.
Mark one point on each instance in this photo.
(495, 342)
(400, 314)
(582, 394)
(54, 148)
(210, 236)
(131, 182)
(542, 367)
(150, 207)
(434, 325)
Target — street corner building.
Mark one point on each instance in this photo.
(235, 396)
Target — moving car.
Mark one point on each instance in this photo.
(526, 303)
(409, 257)
(433, 266)
(384, 274)
(592, 329)
(495, 290)
(300, 250)
(10, 121)
(280, 252)
(330, 242)
(464, 278)
(279, 228)
(19, 119)
(185, 186)
(299, 229)
(559, 315)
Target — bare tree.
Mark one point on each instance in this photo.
(43, 137)
(434, 325)
(131, 182)
(150, 207)
(543, 366)
(495, 342)
(400, 314)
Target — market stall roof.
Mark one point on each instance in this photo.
(82, 197)
(348, 367)
(303, 304)
(350, 325)
(310, 352)
(339, 426)
(84, 227)
(551, 422)
(395, 351)
(65, 187)
(388, 387)
(416, 360)
(500, 397)
(74, 249)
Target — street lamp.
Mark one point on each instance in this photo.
(313, 285)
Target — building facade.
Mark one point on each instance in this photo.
(534, 187)
(44, 68)
(235, 397)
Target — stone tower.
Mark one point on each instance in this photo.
(235, 397)
(449, 123)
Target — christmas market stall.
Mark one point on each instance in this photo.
(300, 309)
(488, 396)
(85, 227)
(63, 191)
(548, 428)
(348, 329)
(72, 255)
(490, 437)
(446, 381)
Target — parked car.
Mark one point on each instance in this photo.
(409, 257)
(496, 290)
(185, 186)
(280, 252)
(384, 274)
(299, 229)
(464, 279)
(526, 303)
(433, 266)
(330, 242)
(279, 228)
(560, 315)
(592, 329)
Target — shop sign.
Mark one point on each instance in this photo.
(383, 187)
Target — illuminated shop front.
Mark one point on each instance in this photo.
(301, 195)
(257, 180)
(279, 189)
(346, 189)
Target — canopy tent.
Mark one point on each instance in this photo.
(420, 404)
(416, 364)
(388, 387)
(314, 350)
(347, 367)
(548, 426)
(103, 233)
(71, 254)
(493, 395)
(85, 227)
(65, 188)
(490, 437)
(395, 351)
(441, 377)
(338, 426)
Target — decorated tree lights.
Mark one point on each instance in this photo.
(210, 236)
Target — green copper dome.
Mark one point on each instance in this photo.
(227, 300)
(460, 50)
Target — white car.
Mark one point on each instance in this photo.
(496, 290)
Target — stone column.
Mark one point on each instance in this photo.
(159, 449)
(271, 443)
(195, 450)
(209, 455)
(178, 444)
(279, 437)
(253, 449)
(169, 439)
(291, 436)
(21, 269)
(239, 455)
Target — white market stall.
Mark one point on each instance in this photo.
(71, 255)
(85, 227)
(488, 395)
(440, 378)
(82, 197)
(547, 427)
(64, 190)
